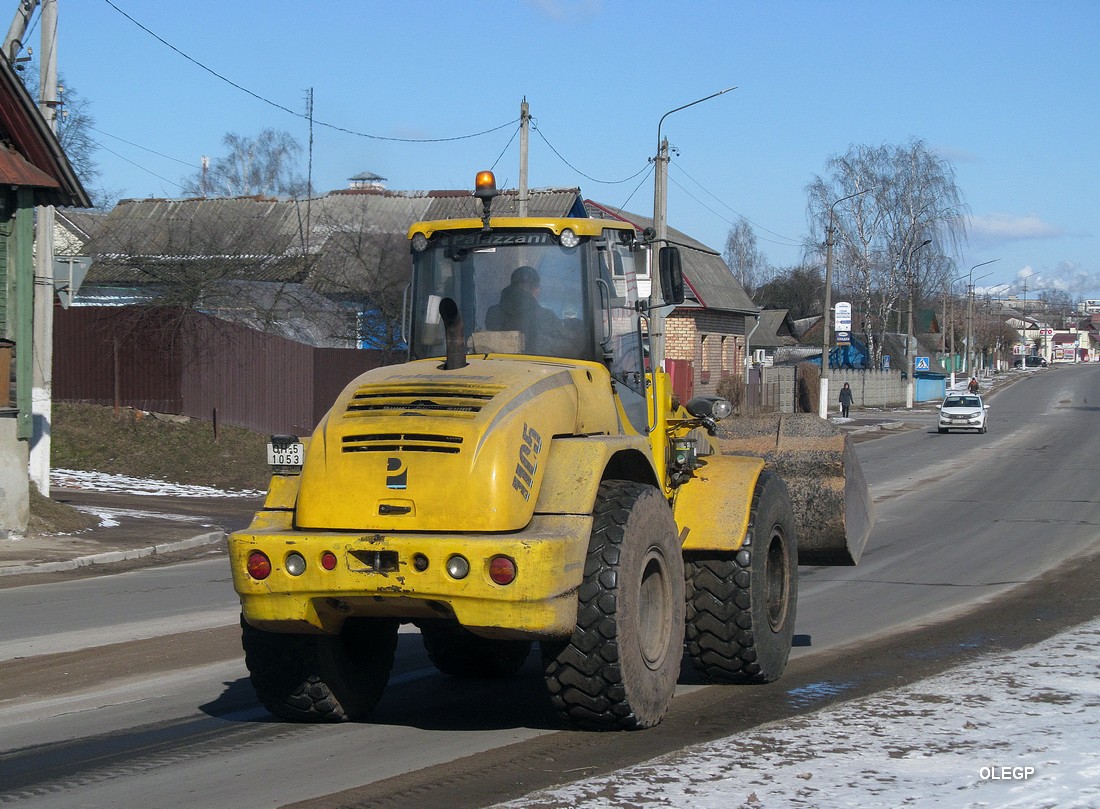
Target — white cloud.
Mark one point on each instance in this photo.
(1004, 227)
(956, 155)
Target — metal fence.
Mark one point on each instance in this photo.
(187, 363)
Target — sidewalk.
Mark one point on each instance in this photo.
(130, 527)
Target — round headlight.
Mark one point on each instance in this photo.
(568, 238)
(419, 242)
(458, 567)
(722, 408)
(295, 564)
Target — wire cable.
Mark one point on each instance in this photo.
(586, 176)
(789, 241)
(138, 165)
(285, 109)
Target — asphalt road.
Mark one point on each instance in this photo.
(129, 690)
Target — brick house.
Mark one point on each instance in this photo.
(708, 336)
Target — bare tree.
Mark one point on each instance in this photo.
(798, 289)
(746, 262)
(897, 197)
(74, 132)
(265, 165)
(364, 264)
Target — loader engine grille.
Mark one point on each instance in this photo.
(461, 401)
(402, 442)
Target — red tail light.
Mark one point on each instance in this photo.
(502, 570)
(259, 566)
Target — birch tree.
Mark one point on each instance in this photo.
(898, 197)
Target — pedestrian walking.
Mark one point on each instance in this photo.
(845, 400)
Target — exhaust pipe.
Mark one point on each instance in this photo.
(453, 333)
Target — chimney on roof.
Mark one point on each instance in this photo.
(367, 182)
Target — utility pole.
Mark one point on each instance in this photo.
(823, 385)
(42, 375)
(524, 126)
(909, 329)
(13, 43)
(660, 226)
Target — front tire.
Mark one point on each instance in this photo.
(741, 606)
(321, 678)
(457, 651)
(618, 670)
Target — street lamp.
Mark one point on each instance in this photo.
(660, 226)
(909, 329)
(823, 387)
(970, 312)
(951, 321)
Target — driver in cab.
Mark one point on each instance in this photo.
(519, 310)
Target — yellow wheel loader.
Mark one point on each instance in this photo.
(528, 475)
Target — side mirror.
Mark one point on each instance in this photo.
(672, 275)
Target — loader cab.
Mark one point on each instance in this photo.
(557, 289)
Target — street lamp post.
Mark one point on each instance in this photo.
(970, 314)
(909, 329)
(660, 227)
(823, 387)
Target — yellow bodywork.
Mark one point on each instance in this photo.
(414, 465)
(714, 506)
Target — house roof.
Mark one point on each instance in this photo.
(710, 283)
(31, 154)
(776, 328)
(540, 202)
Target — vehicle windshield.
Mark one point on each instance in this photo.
(962, 401)
(522, 292)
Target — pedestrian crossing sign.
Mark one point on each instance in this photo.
(921, 363)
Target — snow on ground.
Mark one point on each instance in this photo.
(1014, 730)
(102, 482)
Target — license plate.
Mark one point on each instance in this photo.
(289, 454)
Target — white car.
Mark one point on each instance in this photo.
(963, 411)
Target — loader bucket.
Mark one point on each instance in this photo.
(832, 504)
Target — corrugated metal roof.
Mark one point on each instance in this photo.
(540, 202)
(15, 170)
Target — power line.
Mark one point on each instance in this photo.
(139, 146)
(788, 241)
(586, 176)
(278, 106)
(138, 165)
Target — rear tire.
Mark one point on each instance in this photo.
(618, 671)
(457, 651)
(321, 678)
(741, 606)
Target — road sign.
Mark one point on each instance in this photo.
(920, 363)
(842, 316)
(886, 362)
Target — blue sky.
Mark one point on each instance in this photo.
(1008, 91)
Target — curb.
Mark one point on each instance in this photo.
(111, 557)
